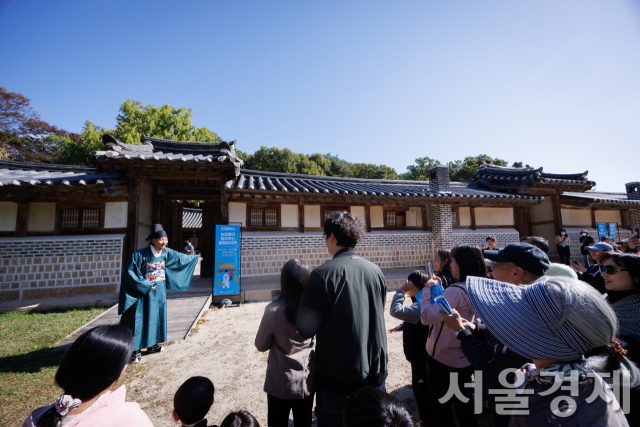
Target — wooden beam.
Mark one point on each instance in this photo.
(593, 219)
(557, 214)
(211, 197)
(22, 220)
(300, 216)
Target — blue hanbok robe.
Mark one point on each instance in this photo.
(145, 311)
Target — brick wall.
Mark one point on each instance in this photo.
(442, 226)
(47, 267)
(634, 217)
(574, 235)
(265, 255)
(479, 237)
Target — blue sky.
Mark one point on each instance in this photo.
(546, 82)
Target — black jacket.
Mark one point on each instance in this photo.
(414, 341)
(584, 242)
(594, 278)
(343, 306)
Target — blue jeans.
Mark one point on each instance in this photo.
(330, 405)
(586, 260)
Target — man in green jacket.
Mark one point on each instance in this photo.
(343, 306)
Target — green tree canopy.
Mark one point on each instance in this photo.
(418, 172)
(462, 170)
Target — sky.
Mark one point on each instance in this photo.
(553, 84)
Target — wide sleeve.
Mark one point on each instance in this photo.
(429, 314)
(314, 306)
(133, 284)
(179, 270)
(264, 337)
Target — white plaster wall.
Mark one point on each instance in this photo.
(238, 213)
(312, 216)
(144, 214)
(8, 216)
(414, 217)
(376, 216)
(359, 212)
(609, 216)
(494, 216)
(541, 212)
(548, 232)
(465, 216)
(577, 217)
(42, 217)
(289, 215)
(115, 215)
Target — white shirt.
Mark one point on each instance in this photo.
(153, 251)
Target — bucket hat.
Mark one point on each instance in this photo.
(600, 246)
(526, 320)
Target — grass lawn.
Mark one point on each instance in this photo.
(28, 362)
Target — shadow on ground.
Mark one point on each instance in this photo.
(31, 362)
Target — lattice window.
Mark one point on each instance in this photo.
(271, 217)
(390, 217)
(80, 218)
(327, 211)
(264, 217)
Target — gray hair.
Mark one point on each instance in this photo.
(592, 316)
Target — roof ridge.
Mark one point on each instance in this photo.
(44, 166)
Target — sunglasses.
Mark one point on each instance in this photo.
(610, 270)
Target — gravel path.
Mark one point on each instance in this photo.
(222, 349)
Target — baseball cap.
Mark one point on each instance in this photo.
(524, 255)
(600, 246)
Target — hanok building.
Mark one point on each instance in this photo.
(68, 230)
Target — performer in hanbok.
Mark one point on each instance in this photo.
(143, 290)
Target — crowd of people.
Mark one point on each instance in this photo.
(534, 342)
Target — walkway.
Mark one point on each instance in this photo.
(183, 312)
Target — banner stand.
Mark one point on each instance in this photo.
(227, 250)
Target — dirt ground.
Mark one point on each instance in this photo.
(223, 350)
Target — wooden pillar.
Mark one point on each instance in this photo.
(425, 217)
(207, 241)
(593, 219)
(367, 216)
(300, 216)
(224, 202)
(557, 214)
(529, 228)
(22, 220)
(133, 208)
(473, 217)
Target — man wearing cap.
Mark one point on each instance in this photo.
(143, 290)
(592, 274)
(518, 264)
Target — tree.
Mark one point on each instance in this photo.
(419, 171)
(166, 122)
(463, 170)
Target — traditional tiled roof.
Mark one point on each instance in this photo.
(600, 197)
(519, 177)
(21, 174)
(165, 150)
(272, 182)
(191, 218)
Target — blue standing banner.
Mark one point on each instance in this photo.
(226, 275)
(613, 228)
(602, 230)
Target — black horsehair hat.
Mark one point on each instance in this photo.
(157, 233)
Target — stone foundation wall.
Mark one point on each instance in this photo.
(265, 255)
(32, 268)
(479, 237)
(574, 235)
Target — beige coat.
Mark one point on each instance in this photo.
(559, 239)
(290, 365)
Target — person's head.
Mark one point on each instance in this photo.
(537, 241)
(342, 230)
(418, 279)
(240, 419)
(623, 246)
(467, 260)
(596, 250)
(94, 363)
(293, 279)
(518, 263)
(158, 237)
(563, 232)
(193, 400)
(370, 407)
(564, 319)
(491, 241)
(584, 233)
(621, 272)
(442, 262)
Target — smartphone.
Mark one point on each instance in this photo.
(429, 270)
(635, 231)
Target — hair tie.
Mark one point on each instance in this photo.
(614, 350)
(66, 403)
